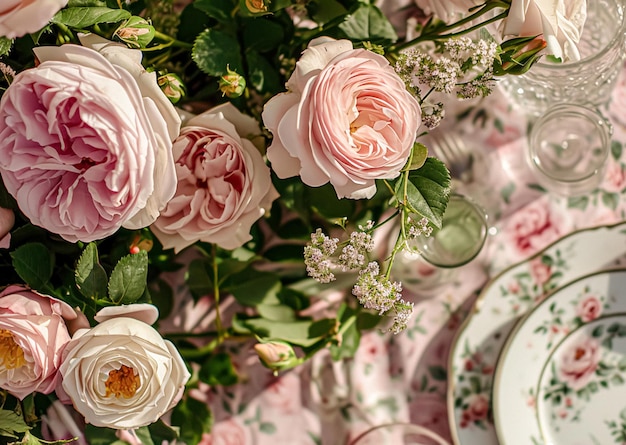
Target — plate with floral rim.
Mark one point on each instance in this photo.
(507, 297)
(581, 397)
(530, 345)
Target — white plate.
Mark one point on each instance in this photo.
(530, 346)
(581, 397)
(508, 296)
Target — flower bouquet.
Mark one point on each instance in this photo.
(236, 154)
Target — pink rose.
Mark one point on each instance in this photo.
(560, 22)
(533, 228)
(228, 432)
(347, 118)
(20, 17)
(540, 271)
(614, 177)
(7, 219)
(224, 186)
(476, 411)
(84, 146)
(579, 363)
(447, 10)
(588, 309)
(33, 335)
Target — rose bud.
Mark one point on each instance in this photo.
(276, 355)
(136, 32)
(232, 85)
(172, 86)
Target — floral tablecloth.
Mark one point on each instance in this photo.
(404, 377)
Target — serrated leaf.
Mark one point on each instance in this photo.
(368, 23)
(11, 422)
(78, 3)
(420, 154)
(128, 279)
(5, 46)
(34, 263)
(427, 191)
(90, 276)
(214, 50)
(83, 16)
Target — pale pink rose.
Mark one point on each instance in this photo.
(7, 219)
(579, 363)
(346, 118)
(61, 422)
(84, 146)
(224, 185)
(227, 432)
(589, 308)
(560, 22)
(614, 177)
(121, 373)
(533, 228)
(20, 17)
(447, 10)
(540, 271)
(33, 335)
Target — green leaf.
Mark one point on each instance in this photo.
(29, 439)
(218, 370)
(252, 287)
(611, 200)
(350, 337)
(78, 3)
(578, 202)
(327, 10)
(262, 35)
(144, 436)
(220, 10)
(5, 46)
(128, 279)
(616, 150)
(262, 74)
(276, 312)
(420, 154)
(214, 50)
(161, 432)
(200, 278)
(11, 422)
(368, 23)
(90, 276)
(34, 263)
(194, 419)
(438, 373)
(83, 17)
(301, 333)
(100, 436)
(428, 190)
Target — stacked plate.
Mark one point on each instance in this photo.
(541, 359)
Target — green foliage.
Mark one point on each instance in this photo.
(34, 263)
(218, 369)
(128, 280)
(84, 17)
(194, 419)
(214, 50)
(91, 278)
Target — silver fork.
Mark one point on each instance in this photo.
(452, 150)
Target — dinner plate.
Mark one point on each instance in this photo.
(507, 297)
(581, 397)
(529, 347)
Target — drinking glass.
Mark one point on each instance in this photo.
(568, 149)
(461, 237)
(588, 81)
(399, 434)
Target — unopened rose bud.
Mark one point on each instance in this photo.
(518, 55)
(232, 85)
(276, 355)
(257, 6)
(136, 32)
(172, 86)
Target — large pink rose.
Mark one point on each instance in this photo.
(346, 118)
(33, 334)
(20, 17)
(224, 186)
(85, 147)
(534, 227)
(579, 363)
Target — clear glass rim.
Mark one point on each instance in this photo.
(619, 35)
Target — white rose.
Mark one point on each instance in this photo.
(20, 17)
(121, 373)
(559, 21)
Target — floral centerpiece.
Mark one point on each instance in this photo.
(252, 148)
